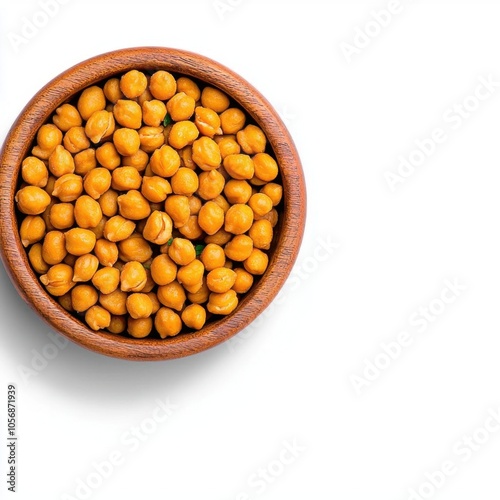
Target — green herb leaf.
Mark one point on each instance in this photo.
(170, 241)
(167, 120)
(199, 249)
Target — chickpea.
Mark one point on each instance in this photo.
(48, 137)
(239, 166)
(239, 248)
(133, 277)
(85, 267)
(182, 251)
(206, 154)
(194, 205)
(106, 280)
(211, 217)
(172, 295)
(167, 323)
(201, 296)
(79, 241)
(68, 188)
(54, 247)
(70, 260)
(194, 316)
(32, 230)
(184, 182)
(107, 252)
(134, 248)
(261, 204)
(214, 99)
(133, 83)
(100, 126)
(85, 161)
(126, 141)
(34, 172)
(193, 288)
(118, 228)
(152, 138)
(165, 161)
(221, 237)
(139, 328)
(189, 87)
(158, 228)
(191, 274)
(154, 301)
(65, 302)
(66, 117)
(266, 168)
(228, 146)
(237, 191)
(155, 189)
(232, 120)
(91, 100)
(58, 280)
(252, 140)
(97, 318)
(177, 206)
(239, 219)
(139, 161)
(139, 305)
(133, 205)
(87, 212)
(261, 233)
(211, 184)
(221, 280)
(244, 280)
(162, 85)
(61, 162)
(257, 262)
(108, 202)
(83, 297)
(213, 256)
(222, 303)
(62, 215)
(108, 156)
(191, 230)
(163, 270)
(97, 182)
(36, 259)
(117, 325)
(153, 112)
(125, 179)
(181, 107)
(222, 202)
(271, 216)
(114, 302)
(274, 191)
(145, 96)
(112, 90)
(182, 134)
(128, 113)
(75, 140)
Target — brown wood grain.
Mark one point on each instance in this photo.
(287, 240)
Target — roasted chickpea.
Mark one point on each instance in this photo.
(221, 279)
(271, 216)
(62, 215)
(182, 134)
(118, 228)
(65, 302)
(181, 107)
(257, 262)
(222, 303)
(152, 138)
(162, 85)
(211, 217)
(274, 191)
(125, 179)
(97, 182)
(108, 202)
(112, 90)
(58, 280)
(222, 202)
(163, 270)
(87, 212)
(85, 267)
(239, 248)
(158, 228)
(91, 100)
(107, 252)
(126, 141)
(85, 161)
(261, 233)
(68, 188)
(172, 295)
(134, 248)
(261, 204)
(47, 138)
(177, 206)
(79, 241)
(117, 325)
(133, 83)
(239, 219)
(139, 328)
(114, 302)
(36, 259)
(239, 166)
(200, 296)
(221, 237)
(66, 117)
(108, 156)
(167, 323)
(237, 191)
(184, 182)
(139, 161)
(165, 161)
(244, 280)
(266, 168)
(133, 205)
(191, 230)
(61, 162)
(139, 305)
(155, 189)
(100, 126)
(75, 140)
(211, 184)
(133, 277)
(97, 318)
(206, 154)
(153, 112)
(106, 280)
(252, 140)
(182, 251)
(213, 256)
(32, 230)
(194, 205)
(83, 297)
(194, 316)
(191, 274)
(228, 145)
(207, 121)
(232, 120)
(214, 99)
(189, 87)
(34, 172)
(54, 247)
(128, 113)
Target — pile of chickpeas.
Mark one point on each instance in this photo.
(148, 204)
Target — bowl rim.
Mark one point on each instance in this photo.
(91, 71)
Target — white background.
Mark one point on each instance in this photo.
(289, 378)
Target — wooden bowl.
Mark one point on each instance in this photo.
(287, 238)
